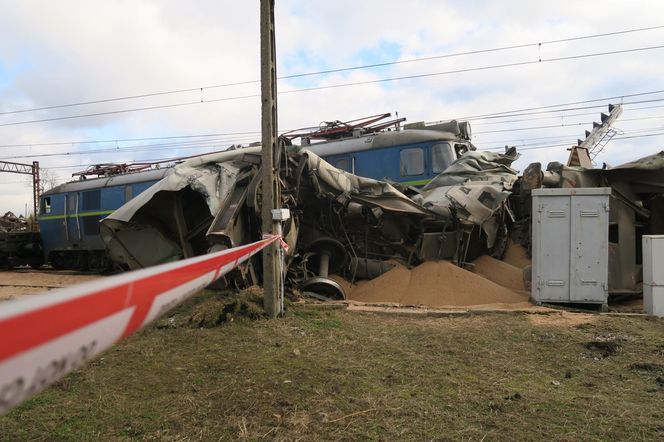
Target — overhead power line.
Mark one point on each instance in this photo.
(555, 138)
(517, 129)
(511, 112)
(118, 140)
(596, 106)
(341, 85)
(550, 146)
(218, 143)
(125, 149)
(519, 112)
(337, 70)
(227, 138)
(497, 148)
(480, 68)
(561, 117)
(98, 114)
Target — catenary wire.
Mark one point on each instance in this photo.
(337, 70)
(336, 86)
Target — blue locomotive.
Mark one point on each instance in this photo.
(411, 154)
(69, 216)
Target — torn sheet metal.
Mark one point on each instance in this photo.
(651, 162)
(472, 189)
(365, 190)
(166, 222)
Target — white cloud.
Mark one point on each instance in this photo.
(70, 51)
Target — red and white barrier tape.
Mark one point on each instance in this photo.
(44, 337)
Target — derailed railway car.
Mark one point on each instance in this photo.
(70, 215)
(20, 248)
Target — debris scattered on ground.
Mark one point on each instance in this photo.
(563, 318)
(218, 309)
(12, 223)
(606, 348)
(648, 366)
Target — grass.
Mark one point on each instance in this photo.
(333, 374)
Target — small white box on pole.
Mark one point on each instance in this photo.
(280, 214)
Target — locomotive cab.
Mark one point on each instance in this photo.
(412, 155)
(70, 214)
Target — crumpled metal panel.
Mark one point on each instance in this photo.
(141, 232)
(473, 189)
(365, 190)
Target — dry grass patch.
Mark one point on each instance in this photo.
(332, 374)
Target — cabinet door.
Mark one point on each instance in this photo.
(552, 255)
(590, 254)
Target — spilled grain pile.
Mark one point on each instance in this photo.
(434, 284)
(499, 272)
(517, 255)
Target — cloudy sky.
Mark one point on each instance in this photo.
(69, 52)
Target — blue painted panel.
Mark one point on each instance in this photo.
(385, 162)
(141, 187)
(112, 197)
(53, 233)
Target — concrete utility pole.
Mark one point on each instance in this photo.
(271, 198)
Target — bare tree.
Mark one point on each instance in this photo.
(47, 179)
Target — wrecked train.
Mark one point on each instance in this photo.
(342, 223)
(69, 217)
(350, 225)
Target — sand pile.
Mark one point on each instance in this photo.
(435, 284)
(499, 272)
(517, 255)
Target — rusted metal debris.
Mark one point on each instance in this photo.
(19, 244)
(12, 223)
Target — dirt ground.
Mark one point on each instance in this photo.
(356, 371)
(327, 373)
(16, 284)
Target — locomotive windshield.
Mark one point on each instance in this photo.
(442, 156)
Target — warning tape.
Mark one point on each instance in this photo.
(44, 337)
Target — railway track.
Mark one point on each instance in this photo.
(33, 285)
(50, 271)
(21, 282)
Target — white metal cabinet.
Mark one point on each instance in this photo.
(570, 245)
(653, 259)
(653, 274)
